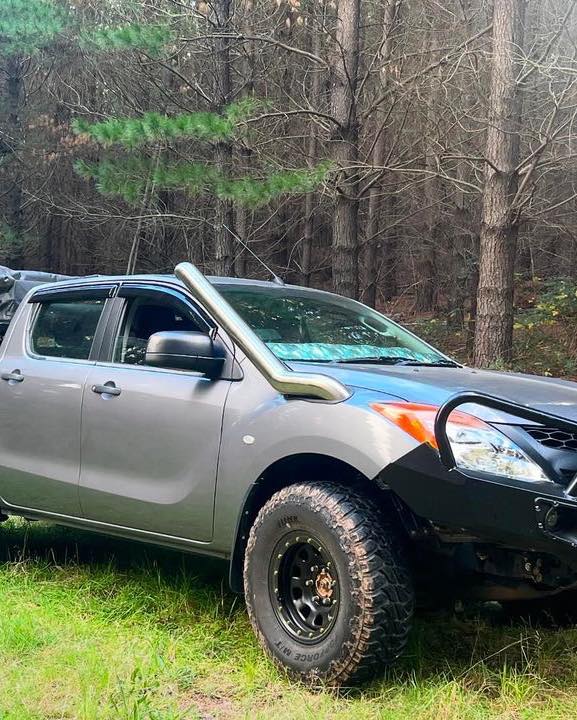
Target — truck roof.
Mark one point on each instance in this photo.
(147, 277)
(169, 277)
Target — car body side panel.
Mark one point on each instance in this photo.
(39, 426)
(261, 427)
(149, 456)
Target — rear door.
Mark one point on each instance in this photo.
(47, 356)
(150, 446)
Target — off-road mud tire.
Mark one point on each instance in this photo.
(376, 595)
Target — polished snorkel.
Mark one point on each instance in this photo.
(286, 382)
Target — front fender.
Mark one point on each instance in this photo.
(262, 427)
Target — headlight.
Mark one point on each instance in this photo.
(488, 450)
(475, 445)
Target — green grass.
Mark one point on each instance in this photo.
(94, 628)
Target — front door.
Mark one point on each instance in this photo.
(43, 369)
(150, 444)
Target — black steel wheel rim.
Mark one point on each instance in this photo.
(304, 587)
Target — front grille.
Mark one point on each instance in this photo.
(553, 438)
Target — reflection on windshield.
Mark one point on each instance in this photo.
(301, 326)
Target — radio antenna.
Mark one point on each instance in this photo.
(276, 279)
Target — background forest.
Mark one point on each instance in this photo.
(416, 154)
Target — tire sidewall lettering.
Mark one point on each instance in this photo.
(300, 656)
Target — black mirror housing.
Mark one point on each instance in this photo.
(178, 350)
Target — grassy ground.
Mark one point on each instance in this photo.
(94, 628)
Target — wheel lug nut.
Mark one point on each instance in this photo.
(314, 568)
(308, 583)
(316, 598)
(326, 601)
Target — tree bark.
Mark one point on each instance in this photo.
(312, 142)
(15, 216)
(224, 210)
(243, 216)
(345, 150)
(427, 282)
(242, 230)
(499, 227)
(372, 236)
(389, 267)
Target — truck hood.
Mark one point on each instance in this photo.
(435, 385)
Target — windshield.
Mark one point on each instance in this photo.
(315, 327)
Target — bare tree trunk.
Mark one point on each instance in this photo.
(345, 149)
(427, 289)
(373, 226)
(310, 197)
(15, 90)
(473, 289)
(427, 281)
(389, 267)
(308, 238)
(499, 227)
(242, 230)
(372, 236)
(243, 215)
(224, 210)
(141, 230)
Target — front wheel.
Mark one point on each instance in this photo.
(327, 588)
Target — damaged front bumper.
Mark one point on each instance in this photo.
(539, 517)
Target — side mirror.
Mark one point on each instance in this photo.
(179, 350)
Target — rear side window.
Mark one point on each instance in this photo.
(66, 328)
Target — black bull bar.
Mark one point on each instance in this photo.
(494, 508)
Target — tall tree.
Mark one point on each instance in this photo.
(499, 225)
(26, 27)
(345, 148)
(376, 201)
(317, 19)
(224, 210)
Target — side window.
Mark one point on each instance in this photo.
(144, 316)
(66, 328)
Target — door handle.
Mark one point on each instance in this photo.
(14, 376)
(109, 388)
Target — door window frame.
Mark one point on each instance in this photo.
(120, 303)
(42, 297)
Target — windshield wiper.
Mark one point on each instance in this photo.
(388, 360)
(376, 360)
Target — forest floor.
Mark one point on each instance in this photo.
(97, 628)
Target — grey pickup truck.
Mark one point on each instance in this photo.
(343, 467)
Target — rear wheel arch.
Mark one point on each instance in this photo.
(291, 470)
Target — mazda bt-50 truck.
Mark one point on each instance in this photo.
(341, 465)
